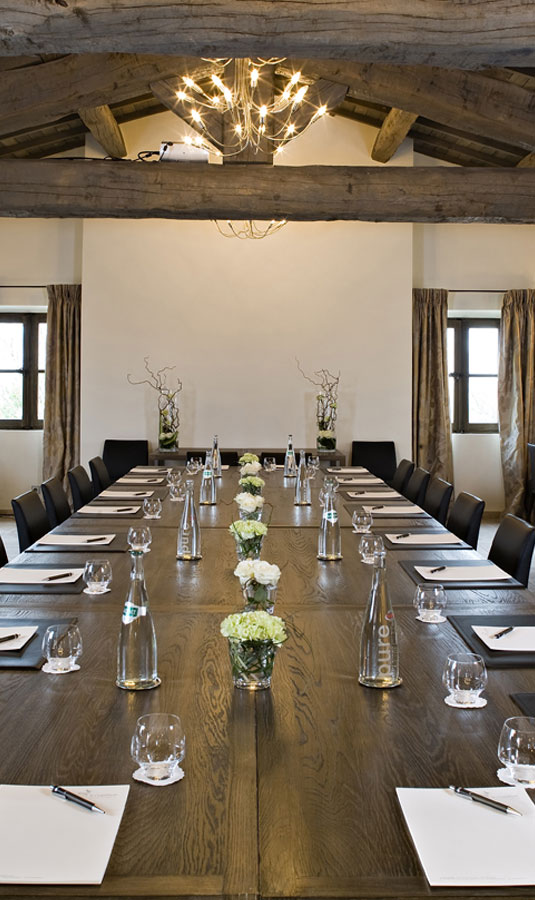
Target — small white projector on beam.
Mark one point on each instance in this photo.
(178, 152)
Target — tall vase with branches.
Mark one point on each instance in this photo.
(326, 406)
(168, 412)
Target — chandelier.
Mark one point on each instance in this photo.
(238, 106)
(248, 228)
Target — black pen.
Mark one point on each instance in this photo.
(9, 637)
(399, 536)
(74, 798)
(101, 537)
(501, 633)
(124, 509)
(57, 577)
(438, 569)
(378, 507)
(485, 801)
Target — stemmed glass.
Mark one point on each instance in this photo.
(465, 676)
(158, 746)
(362, 521)
(62, 646)
(270, 464)
(516, 750)
(152, 508)
(370, 544)
(174, 476)
(139, 537)
(430, 600)
(97, 576)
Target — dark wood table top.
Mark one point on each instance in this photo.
(289, 792)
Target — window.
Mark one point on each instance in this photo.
(473, 374)
(22, 369)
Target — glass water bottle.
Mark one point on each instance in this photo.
(290, 468)
(137, 656)
(302, 483)
(330, 538)
(379, 653)
(208, 484)
(189, 533)
(216, 457)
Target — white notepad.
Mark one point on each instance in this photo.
(443, 537)
(58, 540)
(461, 843)
(485, 572)
(521, 640)
(365, 482)
(11, 575)
(373, 495)
(125, 495)
(349, 470)
(409, 510)
(90, 510)
(139, 480)
(52, 841)
(25, 632)
(147, 470)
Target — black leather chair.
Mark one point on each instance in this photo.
(3, 554)
(56, 503)
(402, 475)
(377, 456)
(512, 547)
(228, 457)
(465, 517)
(30, 518)
(121, 456)
(437, 498)
(81, 487)
(417, 486)
(99, 475)
(530, 492)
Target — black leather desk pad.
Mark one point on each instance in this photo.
(31, 655)
(494, 659)
(409, 565)
(526, 702)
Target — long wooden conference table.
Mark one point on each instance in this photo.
(288, 792)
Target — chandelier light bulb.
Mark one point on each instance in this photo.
(295, 78)
(181, 95)
(300, 93)
(254, 77)
(195, 115)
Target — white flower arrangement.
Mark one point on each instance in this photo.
(250, 468)
(252, 484)
(254, 626)
(248, 458)
(326, 433)
(249, 503)
(245, 529)
(257, 570)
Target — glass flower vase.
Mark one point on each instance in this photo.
(259, 596)
(249, 549)
(325, 441)
(252, 663)
(167, 433)
(255, 515)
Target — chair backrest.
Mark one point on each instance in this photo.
(81, 487)
(279, 457)
(120, 456)
(377, 456)
(402, 474)
(56, 503)
(465, 517)
(417, 486)
(99, 475)
(30, 518)
(512, 547)
(3, 554)
(437, 498)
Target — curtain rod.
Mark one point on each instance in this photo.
(25, 286)
(477, 290)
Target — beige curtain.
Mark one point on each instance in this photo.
(61, 438)
(516, 393)
(431, 428)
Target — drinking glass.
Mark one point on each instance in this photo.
(191, 467)
(97, 576)
(362, 521)
(199, 462)
(270, 464)
(62, 645)
(516, 750)
(314, 461)
(139, 537)
(370, 544)
(430, 600)
(158, 746)
(328, 482)
(311, 471)
(152, 508)
(465, 677)
(177, 492)
(174, 476)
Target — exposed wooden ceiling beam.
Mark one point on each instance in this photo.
(127, 189)
(441, 32)
(527, 161)
(35, 96)
(104, 128)
(392, 133)
(466, 100)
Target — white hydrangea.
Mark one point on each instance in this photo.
(246, 529)
(254, 626)
(250, 468)
(249, 502)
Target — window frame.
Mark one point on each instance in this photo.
(461, 376)
(30, 371)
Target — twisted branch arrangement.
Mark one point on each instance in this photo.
(327, 398)
(168, 408)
